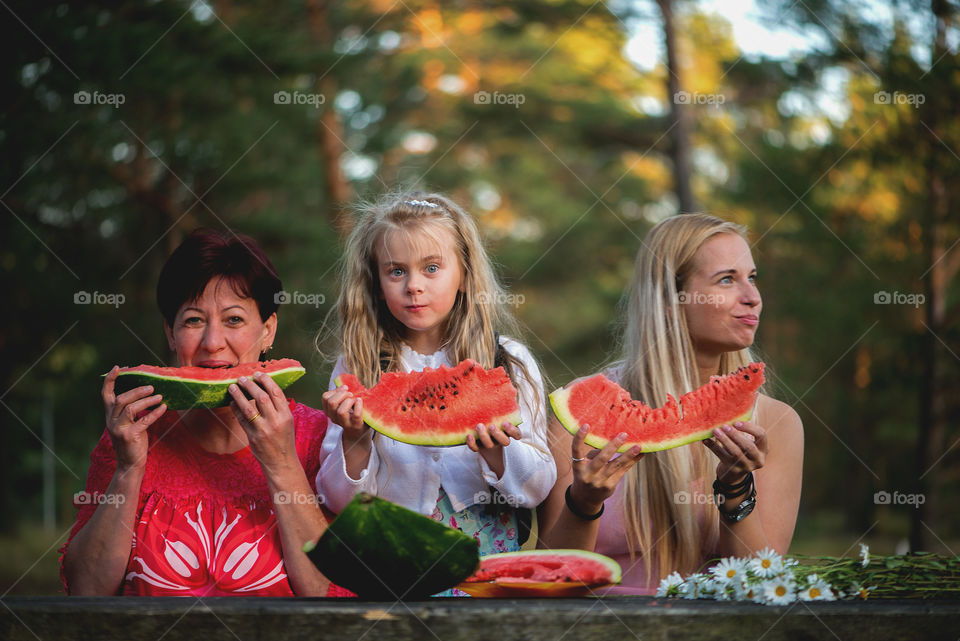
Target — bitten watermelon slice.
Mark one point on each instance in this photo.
(186, 388)
(437, 407)
(542, 573)
(608, 410)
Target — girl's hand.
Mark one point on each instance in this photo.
(490, 441)
(346, 410)
(595, 472)
(741, 448)
(266, 419)
(128, 434)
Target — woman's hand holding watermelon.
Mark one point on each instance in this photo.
(490, 441)
(267, 420)
(596, 472)
(742, 448)
(128, 420)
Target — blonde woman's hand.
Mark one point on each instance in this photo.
(346, 410)
(741, 448)
(128, 433)
(597, 472)
(490, 441)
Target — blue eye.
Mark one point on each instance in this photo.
(192, 320)
(235, 320)
(396, 272)
(726, 279)
(433, 269)
(753, 278)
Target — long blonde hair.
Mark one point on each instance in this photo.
(658, 358)
(371, 338)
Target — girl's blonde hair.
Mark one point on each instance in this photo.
(371, 338)
(658, 358)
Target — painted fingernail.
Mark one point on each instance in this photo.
(727, 428)
(233, 387)
(257, 374)
(585, 429)
(738, 424)
(242, 379)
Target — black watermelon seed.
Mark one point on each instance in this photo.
(431, 407)
(455, 393)
(403, 407)
(443, 407)
(746, 376)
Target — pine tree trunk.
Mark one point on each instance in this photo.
(679, 114)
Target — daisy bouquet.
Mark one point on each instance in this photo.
(769, 578)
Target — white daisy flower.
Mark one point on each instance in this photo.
(864, 555)
(817, 590)
(690, 588)
(707, 587)
(779, 590)
(730, 569)
(767, 563)
(669, 585)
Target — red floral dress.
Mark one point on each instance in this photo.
(205, 522)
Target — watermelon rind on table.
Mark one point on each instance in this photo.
(185, 388)
(437, 407)
(608, 409)
(382, 551)
(542, 573)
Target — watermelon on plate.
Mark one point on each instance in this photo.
(185, 388)
(437, 407)
(608, 409)
(542, 573)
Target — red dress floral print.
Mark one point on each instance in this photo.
(205, 522)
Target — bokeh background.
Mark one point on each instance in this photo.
(568, 128)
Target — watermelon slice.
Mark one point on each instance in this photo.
(185, 388)
(542, 573)
(609, 410)
(380, 550)
(437, 407)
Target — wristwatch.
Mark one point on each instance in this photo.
(741, 511)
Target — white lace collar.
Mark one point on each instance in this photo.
(413, 360)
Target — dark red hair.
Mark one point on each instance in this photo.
(207, 254)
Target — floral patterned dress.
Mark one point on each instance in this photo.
(205, 522)
(493, 527)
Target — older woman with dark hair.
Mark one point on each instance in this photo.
(204, 502)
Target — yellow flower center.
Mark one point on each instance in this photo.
(765, 563)
(814, 593)
(731, 573)
(781, 590)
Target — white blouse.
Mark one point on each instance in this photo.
(411, 475)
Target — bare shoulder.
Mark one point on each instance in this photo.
(774, 415)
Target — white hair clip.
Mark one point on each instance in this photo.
(421, 203)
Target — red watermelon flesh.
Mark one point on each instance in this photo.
(437, 407)
(608, 409)
(542, 573)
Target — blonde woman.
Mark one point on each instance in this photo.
(693, 310)
(418, 291)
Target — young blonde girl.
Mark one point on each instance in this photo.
(418, 290)
(693, 309)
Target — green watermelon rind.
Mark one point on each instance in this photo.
(181, 393)
(445, 438)
(559, 401)
(616, 572)
(380, 550)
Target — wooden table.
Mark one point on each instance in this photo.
(593, 619)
